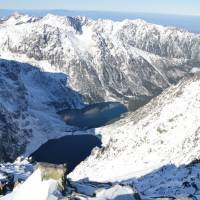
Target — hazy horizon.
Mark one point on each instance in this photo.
(186, 22)
(96, 11)
(177, 7)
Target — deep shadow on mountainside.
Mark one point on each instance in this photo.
(29, 101)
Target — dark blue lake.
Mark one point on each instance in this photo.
(93, 116)
(70, 150)
(73, 149)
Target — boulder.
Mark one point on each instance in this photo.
(55, 172)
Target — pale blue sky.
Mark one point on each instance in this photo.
(187, 7)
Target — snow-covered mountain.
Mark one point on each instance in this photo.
(152, 148)
(129, 61)
(29, 100)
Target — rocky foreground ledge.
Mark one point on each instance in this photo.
(50, 182)
(46, 182)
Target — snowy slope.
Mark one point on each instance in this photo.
(105, 60)
(164, 132)
(29, 101)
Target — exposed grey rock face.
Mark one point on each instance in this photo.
(128, 61)
(6, 182)
(55, 172)
(29, 100)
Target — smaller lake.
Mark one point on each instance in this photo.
(94, 115)
(70, 150)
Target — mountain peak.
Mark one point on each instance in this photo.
(18, 15)
(18, 18)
